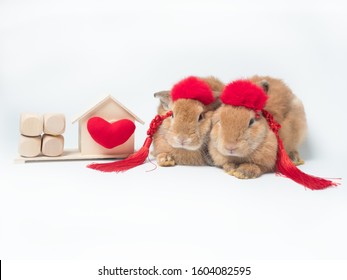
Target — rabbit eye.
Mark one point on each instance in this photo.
(201, 117)
(251, 121)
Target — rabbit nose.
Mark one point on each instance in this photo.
(182, 140)
(231, 148)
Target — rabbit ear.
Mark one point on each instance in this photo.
(214, 105)
(164, 98)
(265, 85)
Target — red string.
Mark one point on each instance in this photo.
(156, 122)
(155, 166)
(275, 126)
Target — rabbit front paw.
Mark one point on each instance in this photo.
(165, 160)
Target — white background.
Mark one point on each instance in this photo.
(61, 56)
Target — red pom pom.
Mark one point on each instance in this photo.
(244, 93)
(193, 88)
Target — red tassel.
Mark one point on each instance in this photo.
(286, 167)
(133, 160)
(137, 158)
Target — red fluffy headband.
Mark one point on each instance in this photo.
(193, 88)
(246, 94)
(188, 88)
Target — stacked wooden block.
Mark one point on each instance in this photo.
(41, 134)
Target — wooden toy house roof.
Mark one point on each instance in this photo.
(103, 101)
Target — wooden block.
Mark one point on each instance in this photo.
(53, 123)
(29, 146)
(31, 124)
(52, 146)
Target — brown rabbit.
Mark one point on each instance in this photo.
(182, 139)
(241, 141)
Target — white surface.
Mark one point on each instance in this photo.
(61, 56)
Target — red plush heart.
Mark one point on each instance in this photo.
(110, 135)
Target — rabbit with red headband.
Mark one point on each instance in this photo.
(182, 139)
(258, 129)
